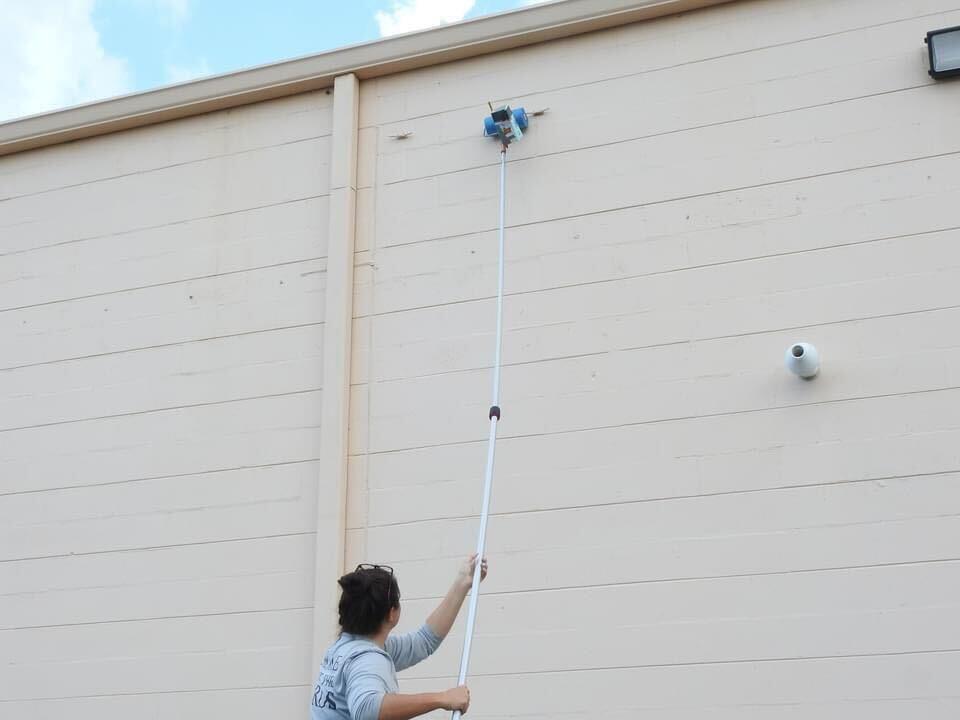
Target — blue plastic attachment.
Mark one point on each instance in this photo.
(520, 115)
(506, 124)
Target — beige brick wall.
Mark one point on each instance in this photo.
(161, 309)
(681, 529)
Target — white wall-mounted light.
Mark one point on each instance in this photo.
(943, 47)
(803, 359)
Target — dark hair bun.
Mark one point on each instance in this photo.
(354, 582)
(366, 600)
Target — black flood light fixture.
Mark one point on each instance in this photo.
(944, 48)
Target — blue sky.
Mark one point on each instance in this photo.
(56, 53)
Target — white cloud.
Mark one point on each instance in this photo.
(183, 73)
(51, 57)
(409, 15)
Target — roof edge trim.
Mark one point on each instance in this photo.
(481, 36)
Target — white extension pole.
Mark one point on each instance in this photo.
(491, 448)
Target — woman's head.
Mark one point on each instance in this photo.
(369, 597)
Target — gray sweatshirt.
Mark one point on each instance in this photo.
(356, 673)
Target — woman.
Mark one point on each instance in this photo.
(358, 678)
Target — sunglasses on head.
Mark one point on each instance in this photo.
(366, 567)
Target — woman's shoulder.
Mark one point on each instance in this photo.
(352, 646)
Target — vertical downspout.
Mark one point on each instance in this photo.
(335, 395)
